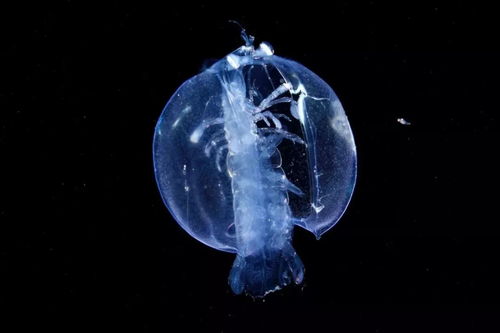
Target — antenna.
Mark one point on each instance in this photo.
(248, 39)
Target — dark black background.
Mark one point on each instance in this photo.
(87, 243)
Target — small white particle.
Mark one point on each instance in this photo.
(403, 121)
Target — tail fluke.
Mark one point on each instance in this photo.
(266, 271)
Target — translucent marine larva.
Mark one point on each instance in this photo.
(249, 148)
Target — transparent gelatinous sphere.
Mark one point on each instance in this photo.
(246, 150)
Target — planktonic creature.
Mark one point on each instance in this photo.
(246, 150)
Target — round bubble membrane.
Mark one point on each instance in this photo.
(251, 147)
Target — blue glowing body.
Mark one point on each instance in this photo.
(249, 148)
